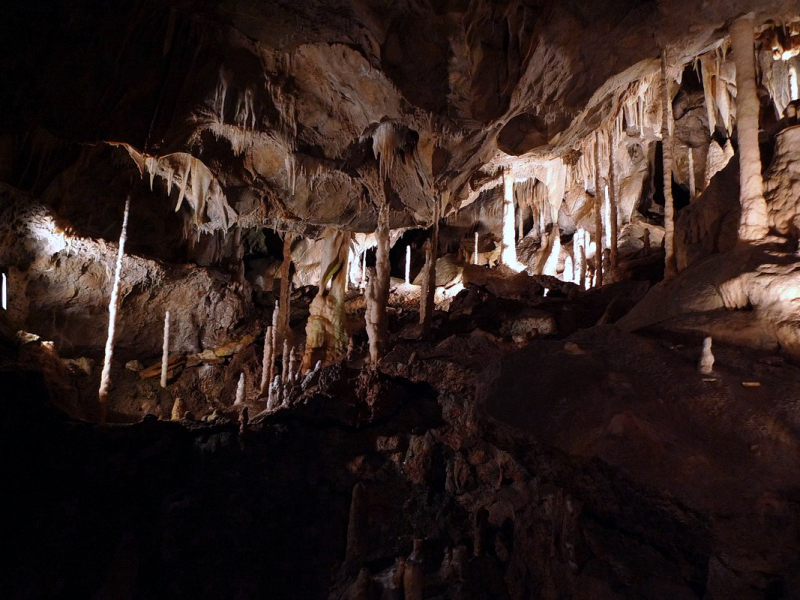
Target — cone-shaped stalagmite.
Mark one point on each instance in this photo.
(105, 376)
(753, 222)
(666, 144)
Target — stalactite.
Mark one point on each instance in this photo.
(113, 305)
(708, 92)
(598, 211)
(266, 362)
(753, 220)
(508, 254)
(692, 182)
(240, 390)
(428, 292)
(475, 253)
(378, 289)
(666, 145)
(165, 352)
(612, 199)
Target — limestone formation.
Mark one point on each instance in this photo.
(165, 352)
(706, 364)
(753, 221)
(670, 267)
(113, 306)
(378, 290)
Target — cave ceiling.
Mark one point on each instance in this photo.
(300, 115)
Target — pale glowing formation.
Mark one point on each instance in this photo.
(408, 265)
(793, 91)
(508, 254)
(113, 304)
(4, 292)
(165, 352)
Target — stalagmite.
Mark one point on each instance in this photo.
(612, 200)
(753, 221)
(266, 363)
(579, 262)
(408, 264)
(598, 211)
(475, 253)
(326, 333)
(240, 390)
(293, 364)
(428, 292)
(569, 269)
(285, 361)
(692, 183)
(413, 577)
(284, 306)
(105, 376)
(378, 290)
(706, 364)
(666, 145)
(165, 352)
(178, 409)
(508, 254)
(551, 266)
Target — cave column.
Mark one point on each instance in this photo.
(284, 304)
(612, 199)
(427, 296)
(753, 222)
(666, 145)
(598, 213)
(509, 246)
(377, 292)
(113, 305)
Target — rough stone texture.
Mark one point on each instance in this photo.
(782, 185)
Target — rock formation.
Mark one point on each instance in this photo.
(406, 300)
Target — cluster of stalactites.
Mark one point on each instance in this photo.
(196, 183)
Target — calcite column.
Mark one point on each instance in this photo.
(753, 222)
(113, 305)
(666, 145)
(598, 213)
(612, 198)
(284, 305)
(378, 289)
(508, 254)
(427, 295)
